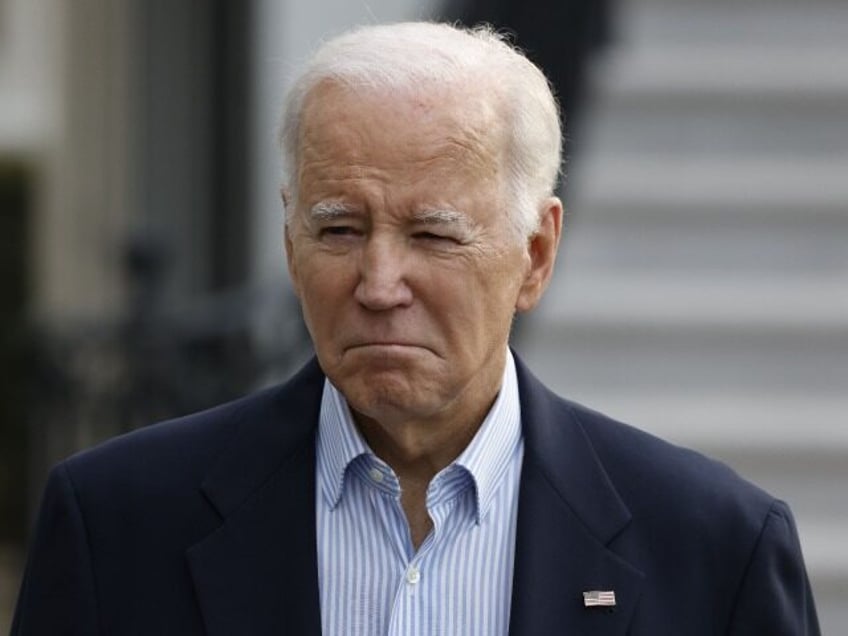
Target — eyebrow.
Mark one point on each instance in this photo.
(329, 211)
(444, 216)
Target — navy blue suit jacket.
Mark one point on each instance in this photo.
(206, 525)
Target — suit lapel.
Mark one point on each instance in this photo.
(568, 512)
(257, 573)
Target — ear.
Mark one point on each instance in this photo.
(542, 250)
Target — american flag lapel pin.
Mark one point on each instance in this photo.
(599, 598)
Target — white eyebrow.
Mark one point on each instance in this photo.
(444, 216)
(329, 210)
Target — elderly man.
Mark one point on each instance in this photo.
(415, 478)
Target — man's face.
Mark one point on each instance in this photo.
(401, 253)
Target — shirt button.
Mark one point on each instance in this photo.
(376, 475)
(413, 575)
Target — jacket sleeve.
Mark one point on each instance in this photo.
(58, 593)
(775, 597)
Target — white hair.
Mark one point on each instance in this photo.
(415, 54)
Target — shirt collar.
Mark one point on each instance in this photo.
(489, 453)
(486, 457)
(339, 443)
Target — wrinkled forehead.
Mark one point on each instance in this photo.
(375, 125)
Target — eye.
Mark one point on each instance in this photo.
(338, 231)
(434, 238)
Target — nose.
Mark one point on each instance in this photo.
(382, 281)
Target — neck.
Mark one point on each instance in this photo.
(418, 450)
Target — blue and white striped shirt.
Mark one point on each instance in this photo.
(372, 581)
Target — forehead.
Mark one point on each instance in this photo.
(432, 134)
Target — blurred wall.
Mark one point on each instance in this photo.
(120, 149)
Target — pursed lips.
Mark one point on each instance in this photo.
(387, 345)
(384, 343)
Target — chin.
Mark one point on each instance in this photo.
(385, 395)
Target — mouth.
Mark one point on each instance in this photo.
(387, 347)
(386, 344)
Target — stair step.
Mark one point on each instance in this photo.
(623, 359)
(606, 210)
(720, 182)
(717, 126)
(692, 250)
(705, 302)
(764, 424)
(743, 71)
(649, 23)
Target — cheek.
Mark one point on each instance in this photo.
(472, 306)
(322, 292)
(320, 297)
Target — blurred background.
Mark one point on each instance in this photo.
(702, 291)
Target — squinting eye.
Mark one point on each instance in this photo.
(338, 230)
(429, 236)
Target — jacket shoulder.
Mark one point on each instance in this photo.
(166, 455)
(190, 441)
(649, 472)
(687, 510)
